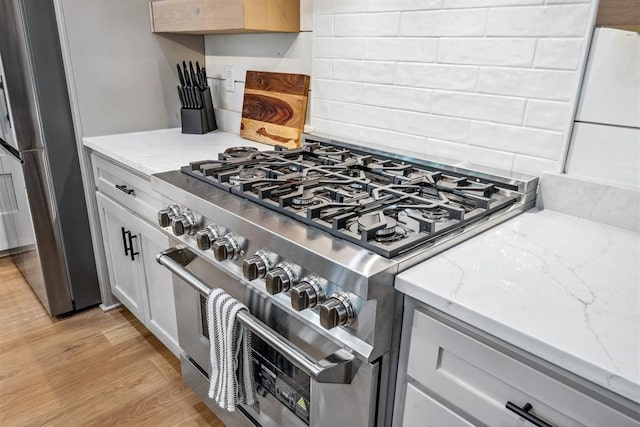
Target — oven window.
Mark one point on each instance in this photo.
(274, 373)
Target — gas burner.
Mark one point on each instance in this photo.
(307, 198)
(388, 228)
(240, 151)
(399, 233)
(436, 214)
(247, 175)
(379, 227)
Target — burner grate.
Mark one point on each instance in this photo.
(387, 206)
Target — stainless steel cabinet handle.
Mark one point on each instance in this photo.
(335, 369)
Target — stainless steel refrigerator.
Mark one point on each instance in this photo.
(60, 267)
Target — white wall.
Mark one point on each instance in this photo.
(124, 77)
(287, 53)
(492, 82)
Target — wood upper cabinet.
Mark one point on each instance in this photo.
(224, 16)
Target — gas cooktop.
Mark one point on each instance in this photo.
(379, 202)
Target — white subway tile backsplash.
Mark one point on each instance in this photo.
(331, 7)
(476, 106)
(437, 76)
(367, 25)
(456, 23)
(429, 125)
(515, 139)
(322, 68)
(336, 90)
(547, 115)
(320, 108)
(361, 114)
(490, 82)
(397, 97)
(561, 54)
(543, 21)
(534, 165)
(325, 47)
(392, 141)
(364, 71)
(336, 129)
(545, 84)
(464, 153)
(401, 49)
(452, 4)
(323, 26)
(398, 5)
(483, 51)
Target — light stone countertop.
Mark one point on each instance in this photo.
(562, 288)
(166, 149)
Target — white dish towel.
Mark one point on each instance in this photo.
(232, 381)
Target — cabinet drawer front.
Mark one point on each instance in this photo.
(131, 190)
(479, 380)
(421, 410)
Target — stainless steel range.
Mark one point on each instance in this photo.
(310, 240)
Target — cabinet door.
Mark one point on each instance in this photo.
(160, 311)
(124, 273)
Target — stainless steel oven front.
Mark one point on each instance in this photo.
(303, 378)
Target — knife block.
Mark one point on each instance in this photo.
(199, 120)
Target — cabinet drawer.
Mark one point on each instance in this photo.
(129, 189)
(421, 410)
(479, 380)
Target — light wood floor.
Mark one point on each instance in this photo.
(93, 368)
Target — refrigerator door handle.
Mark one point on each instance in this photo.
(12, 151)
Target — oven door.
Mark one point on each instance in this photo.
(303, 378)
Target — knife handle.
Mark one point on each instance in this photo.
(180, 76)
(181, 96)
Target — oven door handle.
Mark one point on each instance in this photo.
(335, 369)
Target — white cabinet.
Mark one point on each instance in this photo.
(122, 263)
(137, 280)
(449, 377)
(160, 311)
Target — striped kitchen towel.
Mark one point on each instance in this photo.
(232, 381)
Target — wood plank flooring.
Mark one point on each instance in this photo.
(93, 368)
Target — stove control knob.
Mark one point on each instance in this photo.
(205, 238)
(307, 294)
(337, 311)
(185, 223)
(227, 248)
(281, 278)
(165, 216)
(256, 267)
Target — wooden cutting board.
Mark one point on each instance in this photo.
(274, 108)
